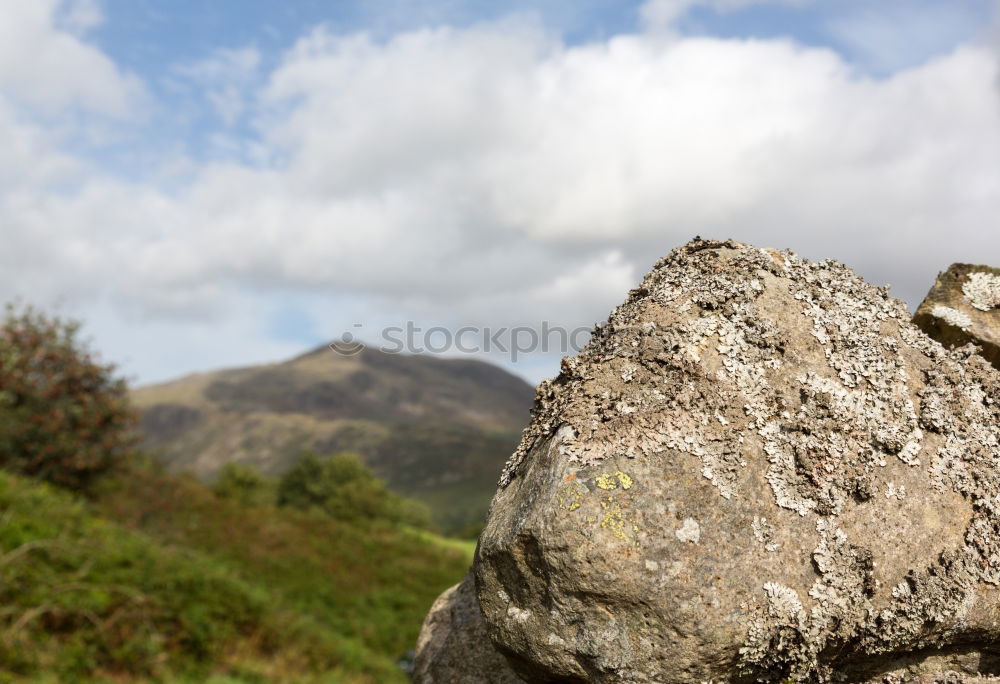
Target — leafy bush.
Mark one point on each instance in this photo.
(344, 488)
(244, 484)
(340, 485)
(415, 514)
(64, 417)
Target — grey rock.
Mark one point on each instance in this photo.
(963, 307)
(453, 647)
(757, 470)
(947, 677)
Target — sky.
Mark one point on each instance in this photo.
(210, 185)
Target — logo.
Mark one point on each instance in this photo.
(348, 344)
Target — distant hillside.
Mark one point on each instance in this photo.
(437, 430)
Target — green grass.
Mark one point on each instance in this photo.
(160, 580)
(371, 584)
(466, 547)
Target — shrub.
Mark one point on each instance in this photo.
(64, 417)
(344, 488)
(414, 513)
(341, 485)
(244, 484)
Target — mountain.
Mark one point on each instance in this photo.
(437, 430)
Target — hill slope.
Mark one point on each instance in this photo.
(437, 430)
(160, 580)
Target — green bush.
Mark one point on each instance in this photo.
(64, 417)
(341, 485)
(244, 484)
(345, 489)
(414, 513)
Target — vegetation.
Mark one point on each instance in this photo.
(324, 576)
(63, 417)
(185, 585)
(344, 488)
(365, 587)
(82, 597)
(244, 484)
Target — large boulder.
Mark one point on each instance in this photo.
(453, 647)
(757, 470)
(963, 307)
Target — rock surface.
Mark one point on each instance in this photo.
(453, 647)
(757, 470)
(963, 307)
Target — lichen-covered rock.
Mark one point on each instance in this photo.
(948, 677)
(963, 307)
(453, 647)
(757, 470)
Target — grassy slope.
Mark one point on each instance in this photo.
(160, 579)
(372, 584)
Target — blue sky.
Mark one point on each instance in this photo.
(210, 184)
(152, 35)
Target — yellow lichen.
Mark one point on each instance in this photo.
(569, 497)
(607, 482)
(614, 520)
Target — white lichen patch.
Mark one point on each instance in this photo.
(952, 316)
(840, 596)
(894, 492)
(783, 602)
(689, 531)
(763, 532)
(519, 614)
(982, 290)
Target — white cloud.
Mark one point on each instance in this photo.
(43, 66)
(495, 175)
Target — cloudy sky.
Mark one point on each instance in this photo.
(214, 184)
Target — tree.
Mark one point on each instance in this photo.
(64, 417)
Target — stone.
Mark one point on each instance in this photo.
(758, 470)
(947, 677)
(963, 307)
(453, 646)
